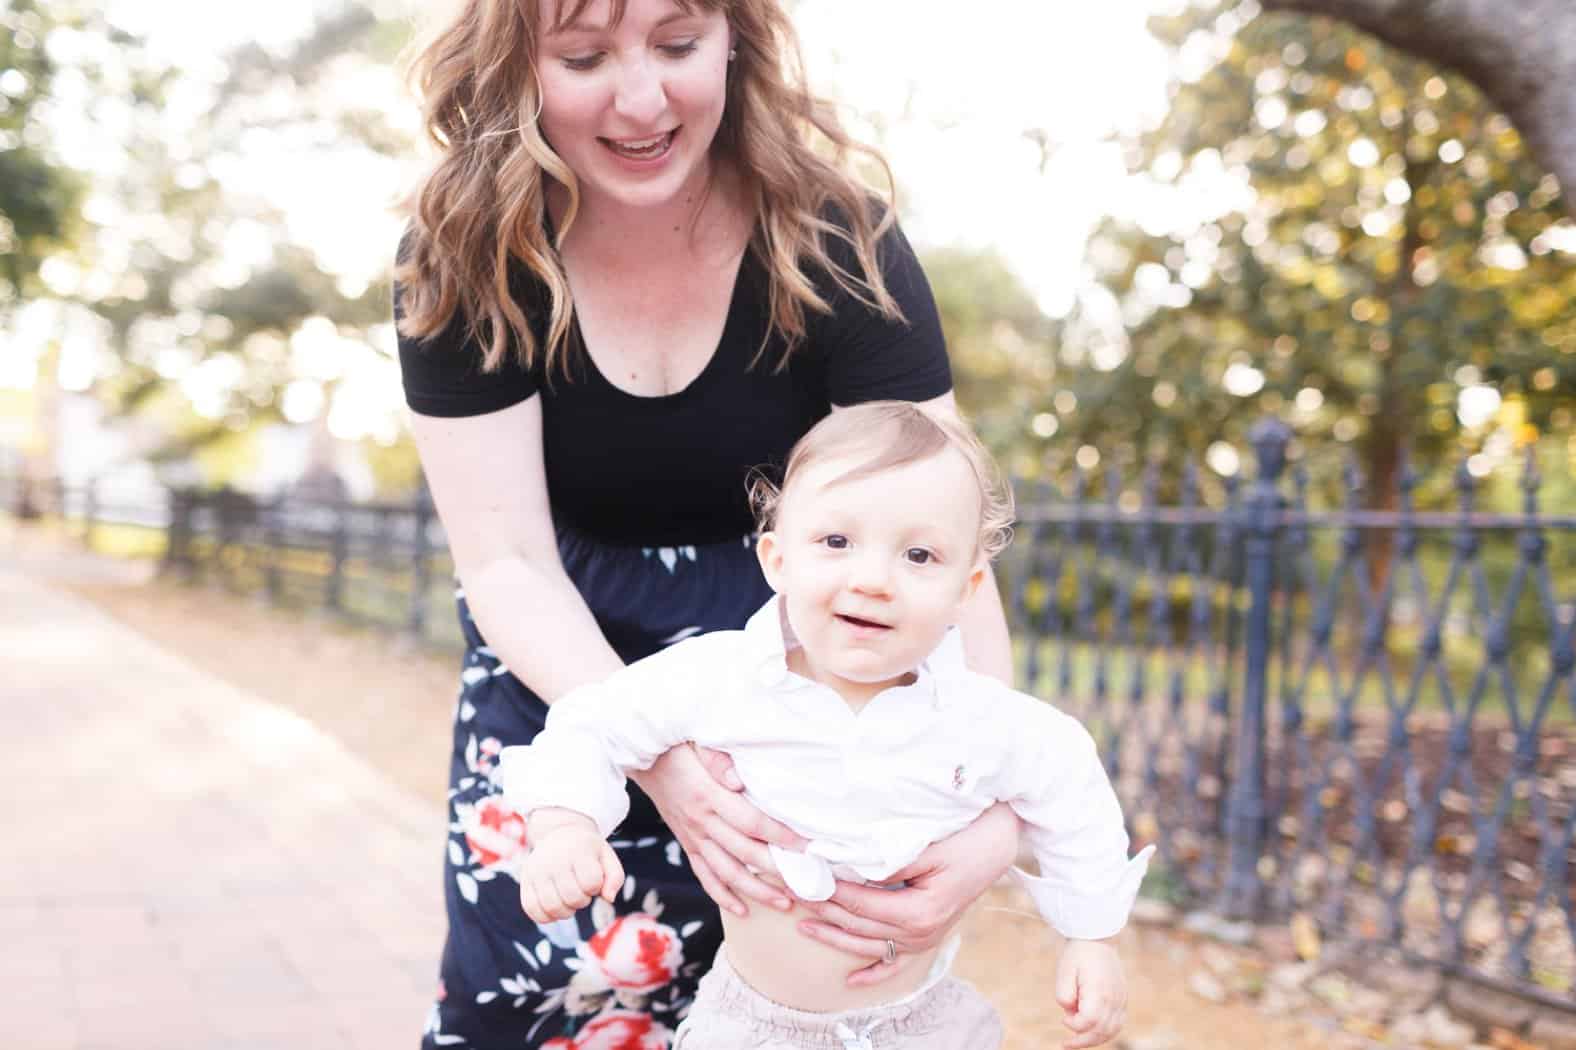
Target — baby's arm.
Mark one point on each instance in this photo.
(569, 781)
(569, 864)
(1087, 883)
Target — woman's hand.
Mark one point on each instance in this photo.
(697, 792)
(942, 882)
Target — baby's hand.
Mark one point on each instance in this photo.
(1092, 988)
(569, 864)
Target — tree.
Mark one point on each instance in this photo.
(1520, 53)
(37, 195)
(1339, 233)
(185, 265)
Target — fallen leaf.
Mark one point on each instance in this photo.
(1305, 936)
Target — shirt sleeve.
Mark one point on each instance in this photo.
(1073, 825)
(443, 375)
(869, 357)
(596, 734)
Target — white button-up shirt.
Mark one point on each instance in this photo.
(868, 789)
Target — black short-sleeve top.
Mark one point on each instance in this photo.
(672, 470)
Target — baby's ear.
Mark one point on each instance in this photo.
(976, 577)
(770, 554)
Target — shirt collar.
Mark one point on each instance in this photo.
(770, 638)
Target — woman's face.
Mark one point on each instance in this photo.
(632, 108)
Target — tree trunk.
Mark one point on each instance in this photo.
(1520, 53)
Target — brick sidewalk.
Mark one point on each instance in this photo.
(186, 866)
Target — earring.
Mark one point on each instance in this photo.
(733, 53)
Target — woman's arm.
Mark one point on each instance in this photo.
(489, 485)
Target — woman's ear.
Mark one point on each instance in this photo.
(770, 554)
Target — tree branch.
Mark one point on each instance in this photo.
(1520, 53)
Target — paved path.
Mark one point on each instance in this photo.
(185, 867)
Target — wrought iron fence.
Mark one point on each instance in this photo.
(1363, 716)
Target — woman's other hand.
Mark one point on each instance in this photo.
(697, 792)
(942, 882)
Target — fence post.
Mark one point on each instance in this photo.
(1245, 813)
(89, 510)
(334, 589)
(273, 547)
(421, 563)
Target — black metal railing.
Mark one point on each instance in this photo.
(1362, 715)
(1365, 716)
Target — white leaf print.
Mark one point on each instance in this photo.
(456, 855)
(690, 927)
(484, 650)
(601, 914)
(668, 556)
(470, 752)
(688, 552)
(651, 905)
(525, 953)
(483, 998)
(629, 888)
(485, 874)
(448, 1040)
(467, 886)
(564, 933)
(649, 840)
(467, 711)
(472, 675)
(513, 985)
(499, 670)
(681, 634)
(544, 952)
(674, 852)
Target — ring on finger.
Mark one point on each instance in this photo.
(890, 955)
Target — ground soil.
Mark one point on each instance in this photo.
(390, 702)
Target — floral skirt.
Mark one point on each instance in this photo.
(613, 976)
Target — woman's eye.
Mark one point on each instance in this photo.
(583, 62)
(678, 50)
(918, 556)
(836, 541)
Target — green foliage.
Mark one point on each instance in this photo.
(37, 195)
(1337, 234)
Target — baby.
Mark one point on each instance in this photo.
(849, 715)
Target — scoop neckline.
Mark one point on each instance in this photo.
(729, 324)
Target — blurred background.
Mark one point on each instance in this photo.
(1148, 224)
(1269, 307)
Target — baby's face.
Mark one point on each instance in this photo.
(874, 570)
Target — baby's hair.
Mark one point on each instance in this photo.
(892, 434)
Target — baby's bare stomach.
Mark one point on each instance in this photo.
(773, 957)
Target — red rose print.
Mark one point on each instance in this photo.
(635, 952)
(494, 832)
(559, 1044)
(623, 1030)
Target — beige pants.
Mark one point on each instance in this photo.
(730, 1015)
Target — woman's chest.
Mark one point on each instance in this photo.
(652, 334)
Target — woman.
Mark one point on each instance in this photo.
(632, 276)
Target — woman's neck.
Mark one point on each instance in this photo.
(703, 219)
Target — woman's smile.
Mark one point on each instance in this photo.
(644, 151)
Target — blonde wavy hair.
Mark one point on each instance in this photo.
(885, 435)
(481, 211)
